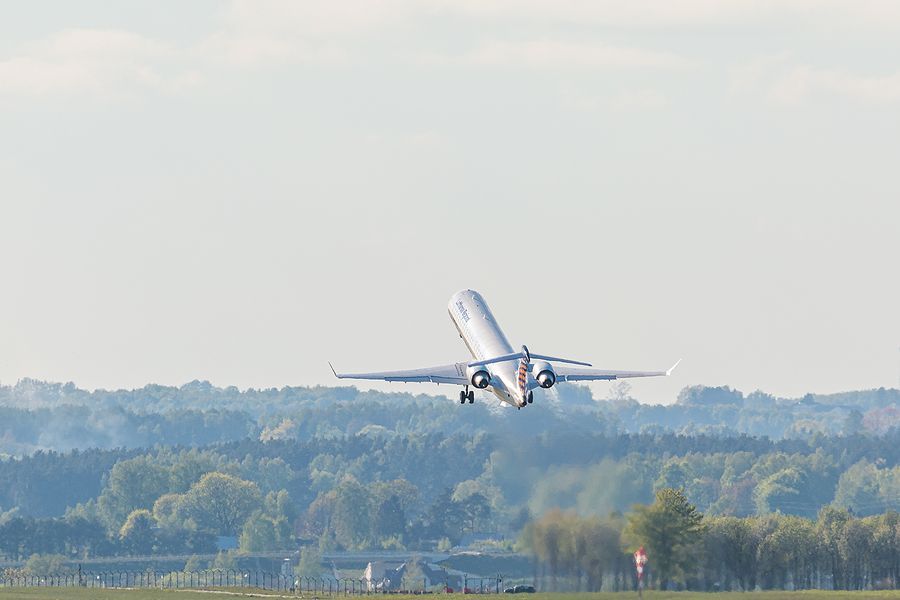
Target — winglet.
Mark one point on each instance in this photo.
(672, 368)
(335, 372)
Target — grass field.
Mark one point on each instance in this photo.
(49, 593)
(63, 593)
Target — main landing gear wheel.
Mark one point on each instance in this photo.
(530, 397)
(471, 396)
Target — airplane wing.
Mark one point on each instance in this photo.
(455, 373)
(570, 374)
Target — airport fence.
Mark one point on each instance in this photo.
(234, 578)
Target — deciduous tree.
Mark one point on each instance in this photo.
(671, 529)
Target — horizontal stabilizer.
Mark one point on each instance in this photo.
(560, 360)
(455, 374)
(525, 354)
(569, 374)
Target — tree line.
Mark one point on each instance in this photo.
(586, 472)
(689, 550)
(180, 502)
(37, 415)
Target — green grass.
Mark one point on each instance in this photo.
(49, 593)
(775, 595)
(56, 593)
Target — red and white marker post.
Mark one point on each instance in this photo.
(640, 559)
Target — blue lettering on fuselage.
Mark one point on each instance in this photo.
(463, 313)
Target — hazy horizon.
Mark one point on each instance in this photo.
(605, 392)
(240, 192)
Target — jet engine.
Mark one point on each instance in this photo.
(478, 377)
(543, 373)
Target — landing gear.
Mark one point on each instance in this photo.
(530, 397)
(467, 394)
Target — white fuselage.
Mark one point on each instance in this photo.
(483, 337)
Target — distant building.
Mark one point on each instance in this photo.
(379, 575)
(383, 576)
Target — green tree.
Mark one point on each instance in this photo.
(317, 520)
(258, 534)
(310, 564)
(6, 516)
(780, 489)
(853, 423)
(278, 505)
(674, 474)
(544, 539)
(856, 551)
(132, 484)
(830, 531)
(390, 519)
(189, 466)
(671, 530)
(221, 503)
(731, 550)
(192, 564)
(598, 547)
(272, 474)
(886, 541)
(136, 533)
(350, 520)
(445, 517)
(475, 510)
(413, 576)
(859, 489)
(46, 564)
(786, 552)
(225, 561)
(167, 510)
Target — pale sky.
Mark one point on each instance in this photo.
(241, 191)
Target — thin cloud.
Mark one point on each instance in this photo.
(776, 80)
(287, 18)
(655, 14)
(273, 33)
(803, 83)
(556, 54)
(92, 61)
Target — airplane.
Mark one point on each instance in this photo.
(496, 367)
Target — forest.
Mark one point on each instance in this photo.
(37, 415)
(171, 471)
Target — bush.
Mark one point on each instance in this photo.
(46, 564)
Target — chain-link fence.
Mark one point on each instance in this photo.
(230, 578)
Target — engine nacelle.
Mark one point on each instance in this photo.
(479, 377)
(543, 373)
